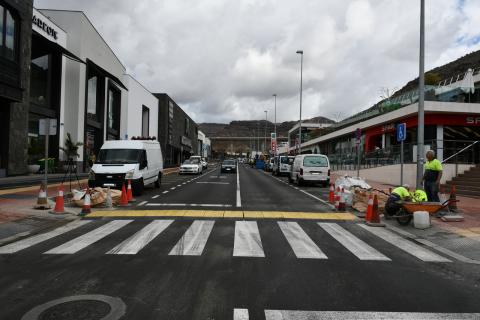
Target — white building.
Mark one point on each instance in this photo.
(139, 102)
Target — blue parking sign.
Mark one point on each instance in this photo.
(401, 132)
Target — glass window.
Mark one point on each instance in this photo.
(145, 121)
(111, 112)
(92, 98)
(315, 161)
(119, 156)
(9, 36)
(39, 80)
(2, 10)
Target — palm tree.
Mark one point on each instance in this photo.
(71, 148)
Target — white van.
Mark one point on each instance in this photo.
(282, 165)
(140, 161)
(314, 168)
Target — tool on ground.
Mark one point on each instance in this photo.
(129, 192)
(123, 199)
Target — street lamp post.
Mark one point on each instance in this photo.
(421, 98)
(300, 52)
(258, 136)
(275, 124)
(265, 142)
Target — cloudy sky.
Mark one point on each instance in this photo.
(222, 60)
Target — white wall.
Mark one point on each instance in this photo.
(391, 174)
(138, 96)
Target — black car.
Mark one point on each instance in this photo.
(229, 166)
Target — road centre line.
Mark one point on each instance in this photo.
(156, 196)
(344, 315)
(165, 192)
(172, 188)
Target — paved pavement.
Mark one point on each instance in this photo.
(169, 257)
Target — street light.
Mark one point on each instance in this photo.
(275, 124)
(300, 52)
(421, 98)
(265, 142)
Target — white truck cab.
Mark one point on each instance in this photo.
(118, 161)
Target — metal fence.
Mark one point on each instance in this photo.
(391, 155)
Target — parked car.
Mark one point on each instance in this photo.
(140, 161)
(312, 168)
(191, 166)
(282, 165)
(228, 166)
(204, 164)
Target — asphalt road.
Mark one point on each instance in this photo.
(194, 268)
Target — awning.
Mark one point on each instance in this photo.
(55, 47)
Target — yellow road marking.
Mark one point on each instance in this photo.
(225, 214)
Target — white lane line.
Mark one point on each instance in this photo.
(28, 242)
(405, 245)
(89, 238)
(141, 203)
(358, 247)
(156, 196)
(317, 198)
(172, 188)
(140, 239)
(247, 241)
(239, 199)
(165, 192)
(179, 185)
(301, 244)
(212, 182)
(240, 314)
(184, 183)
(350, 315)
(194, 239)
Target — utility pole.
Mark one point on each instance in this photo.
(421, 98)
(275, 125)
(265, 136)
(301, 92)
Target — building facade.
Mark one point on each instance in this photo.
(15, 48)
(177, 132)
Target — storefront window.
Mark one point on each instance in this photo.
(92, 98)
(113, 114)
(39, 80)
(8, 34)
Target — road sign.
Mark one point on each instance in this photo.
(51, 124)
(358, 134)
(401, 132)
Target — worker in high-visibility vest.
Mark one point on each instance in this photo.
(400, 193)
(419, 196)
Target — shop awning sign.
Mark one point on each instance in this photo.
(401, 132)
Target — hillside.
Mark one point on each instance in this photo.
(247, 128)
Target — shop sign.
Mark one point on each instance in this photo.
(388, 127)
(45, 27)
(186, 141)
(473, 120)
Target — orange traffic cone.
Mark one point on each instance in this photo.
(452, 205)
(331, 194)
(129, 192)
(42, 201)
(374, 220)
(59, 201)
(341, 202)
(368, 214)
(124, 198)
(86, 208)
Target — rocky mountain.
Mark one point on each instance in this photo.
(248, 128)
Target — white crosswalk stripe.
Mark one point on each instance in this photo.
(194, 239)
(28, 242)
(356, 246)
(247, 241)
(89, 238)
(302, 245)
(405, 245)
(353, 315)
(140, 239)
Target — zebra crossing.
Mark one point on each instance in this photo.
(247, 239)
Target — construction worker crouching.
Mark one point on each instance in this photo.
(419, 196)
(398, 194)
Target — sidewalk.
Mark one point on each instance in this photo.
(460, 237)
